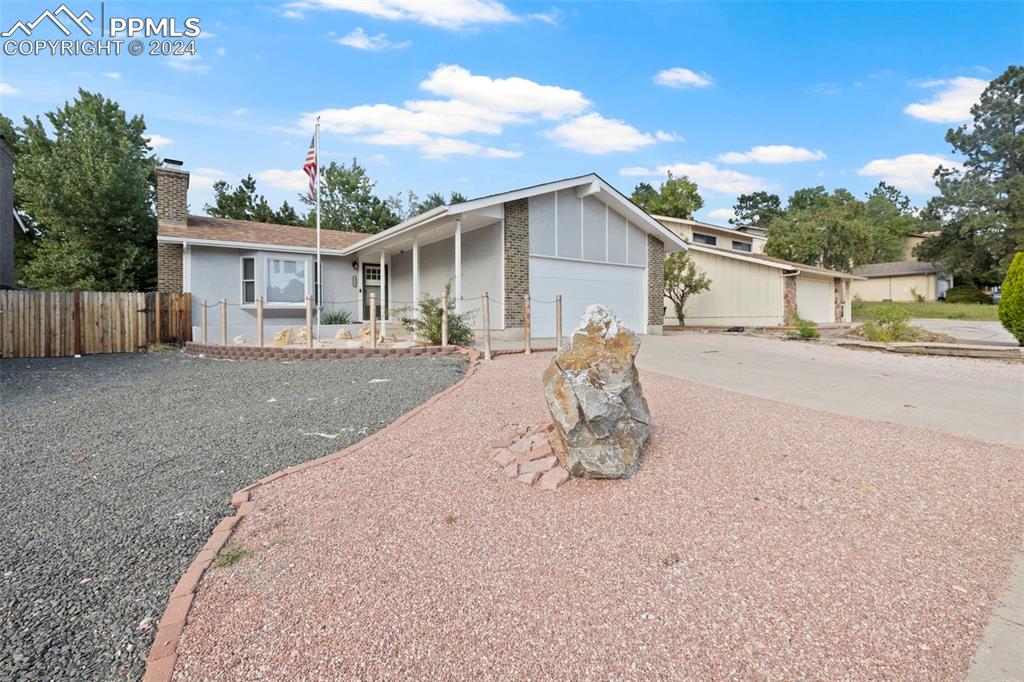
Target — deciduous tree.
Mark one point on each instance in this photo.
(682, 280)
(347, 201)
(758, 209)
(675, 198)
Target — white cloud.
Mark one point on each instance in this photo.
(445, 146)
(158, 141)
(595, 134)
(723, 214)
(7, 89)
(188, 62)
(114, 75)
(360, 40)
(448, 14)
(707, 176)
(910, 172)
(241, 111)
(668, 137)
(286, 179)
(772, 153)
(443, 117)
(203, 178)
(952, 104)
(221, 51)
(512, 95)
(678, 77)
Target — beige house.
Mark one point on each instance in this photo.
(901, 281)
(911, 242)
(745, 239)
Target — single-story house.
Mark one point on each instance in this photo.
(901, 281)
(755, 290)
(742, 238)
(579, 238)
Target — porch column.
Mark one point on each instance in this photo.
(383, 294)
(416, 281)
(458, 265)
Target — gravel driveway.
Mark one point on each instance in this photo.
(116, 468)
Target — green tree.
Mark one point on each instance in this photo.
(675, 198)
(682, 280)
(808, 197)
(979, 210)
(88, 189)
(829, 231)
(758, 209)
(1011, 305)
(889, 220)
(433, 200)
(347, 201)
(244, 203)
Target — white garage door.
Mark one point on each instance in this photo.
(814, 299)
(619, 287)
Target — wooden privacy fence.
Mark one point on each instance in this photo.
(39, 324)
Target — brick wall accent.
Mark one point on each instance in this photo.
(517, 260)
(788, 299)
(168, 267)
(171, 194)
(837, 287)
(655, 282)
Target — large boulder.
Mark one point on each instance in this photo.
(593, 393)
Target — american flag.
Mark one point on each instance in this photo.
(310, 168)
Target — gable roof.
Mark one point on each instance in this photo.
(597, 186)
(732, 231)
(771, 262)
(270, 235)
(897, 268)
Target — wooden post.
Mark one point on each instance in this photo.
(203, 323)
(78, 321)
(487, 326)
(444, 320)
(309, 322)
(187, 317)
(373, 320)
(223, 322)
(159, 314)
(259, 321)
(558, 322)
(526, 323)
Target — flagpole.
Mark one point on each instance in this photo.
(319, 269)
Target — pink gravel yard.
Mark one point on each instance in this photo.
(758, 541)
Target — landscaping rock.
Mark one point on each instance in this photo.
(529, 478)
(539, 465)
(283, 337)
(240, 340)
(554, 478)
(504, 457)
(343, 335)
(595, 399)
(511, 470)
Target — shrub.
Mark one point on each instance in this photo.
(805, 329)
(919, 297)
(335, 317)
(967, 293)
(428, 326)
(1011, 305)
(892, 323)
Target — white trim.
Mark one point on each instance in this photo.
(502, 265)
(362, 287)
(415, 282)
(186, 268)
(752, 258)
(216, 243)
(458, 265)
(582, 260)
(242, 280)
(383, 292)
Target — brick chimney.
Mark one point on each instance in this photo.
(172, 192)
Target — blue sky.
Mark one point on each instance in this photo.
(481, 96)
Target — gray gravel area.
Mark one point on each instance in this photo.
(116, 468)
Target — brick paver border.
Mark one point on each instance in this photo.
(163, 652)
(211, 350)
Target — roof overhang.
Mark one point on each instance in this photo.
(221, 244)
(786, 266)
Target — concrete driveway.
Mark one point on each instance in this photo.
(975, 398)
(970, 331)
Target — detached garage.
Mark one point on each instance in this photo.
(754, 290)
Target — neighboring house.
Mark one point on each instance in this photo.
(579, 238)
(911, 242)
(901, 281)
(8, 218)
(754, 290)
(747, 239)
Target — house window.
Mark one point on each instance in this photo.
(248, 280)
(286, 280)
(741, 246)
(699, 238)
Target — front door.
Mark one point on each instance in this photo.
(372, 285)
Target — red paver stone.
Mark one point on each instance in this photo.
(529, 477)
(511, 470)
(504, 457)
(538, 465)
(554, 478)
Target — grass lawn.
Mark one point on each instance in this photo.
(868, 310)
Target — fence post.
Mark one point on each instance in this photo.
(187, 314)
(159, 318)
(203, 321)
(373, 320)
(487, 326)
(444, 320)
(309, 322)
(526, 324)
(558, 322)
(259, 321)
(223, 322)
(78, 321)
